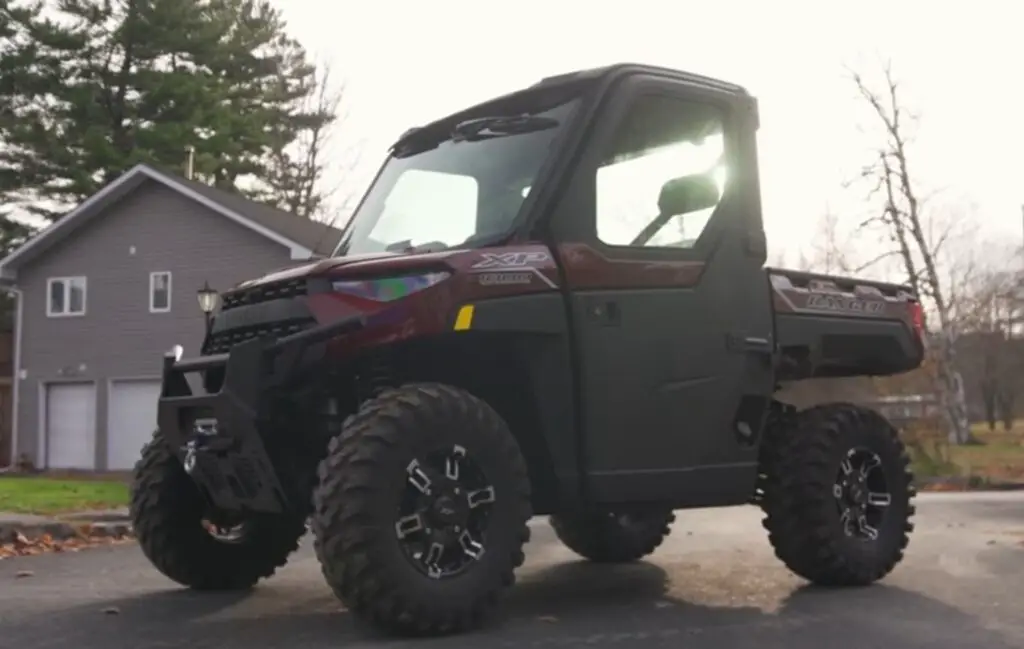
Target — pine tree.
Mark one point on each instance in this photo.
(110, 83)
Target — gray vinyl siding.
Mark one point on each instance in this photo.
(118, 337)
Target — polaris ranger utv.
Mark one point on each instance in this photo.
(552, 303)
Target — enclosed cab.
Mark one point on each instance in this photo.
(555, 303)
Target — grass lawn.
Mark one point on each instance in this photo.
(999, 458)
(43, 495)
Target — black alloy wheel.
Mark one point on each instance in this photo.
(838, 494)
(862, 494)
(443, 518)
(421, 510)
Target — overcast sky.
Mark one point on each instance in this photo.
(409, 62)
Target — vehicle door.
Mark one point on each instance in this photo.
(660, 240)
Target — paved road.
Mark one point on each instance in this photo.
(715, 584)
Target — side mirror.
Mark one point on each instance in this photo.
(688, 194)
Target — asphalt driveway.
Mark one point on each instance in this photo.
(715, 584)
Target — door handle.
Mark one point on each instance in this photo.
(754, 345)
(605, 313)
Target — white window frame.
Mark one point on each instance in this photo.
(50, 313)
(152, 291)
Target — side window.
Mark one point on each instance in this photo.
(160, 292)
(664, 175)
(65, 296)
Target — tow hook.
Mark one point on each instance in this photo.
(205, 431)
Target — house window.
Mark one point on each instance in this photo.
(160, 292)
(65, 296)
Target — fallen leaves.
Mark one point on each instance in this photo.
(942, 486)
(45, 543)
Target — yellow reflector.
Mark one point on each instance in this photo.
(464, 320)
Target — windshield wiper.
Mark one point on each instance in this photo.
(484, 128)
(418, 140)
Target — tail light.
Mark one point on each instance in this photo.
(917, 318)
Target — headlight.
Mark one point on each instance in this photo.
(390, 288)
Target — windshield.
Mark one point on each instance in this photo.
(457, 184)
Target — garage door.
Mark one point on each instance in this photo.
(71, 426)
(130, 421)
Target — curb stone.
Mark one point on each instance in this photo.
(59, 530)
(9, 531)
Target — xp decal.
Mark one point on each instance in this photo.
(516, 268)
(503, 260)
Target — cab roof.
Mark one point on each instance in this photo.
(576, 79)
(619, 68)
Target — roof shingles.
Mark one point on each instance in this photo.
(301, 234)
(321, 238)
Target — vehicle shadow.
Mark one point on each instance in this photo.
(566, 605)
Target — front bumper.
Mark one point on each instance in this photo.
(219, 435)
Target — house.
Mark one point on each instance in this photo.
(6, 393)
(107, 289)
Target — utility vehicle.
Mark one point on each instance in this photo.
(552, 303)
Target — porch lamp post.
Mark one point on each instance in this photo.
(208, 299)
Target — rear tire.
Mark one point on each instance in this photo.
(838, 495)
(167, 513)
(607, 537)
(403, 543)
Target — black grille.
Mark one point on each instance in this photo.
(264, 293)
(221, 342)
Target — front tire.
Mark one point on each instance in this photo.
(612, 537)
(168, 515)
(838, 495)
(422, 508)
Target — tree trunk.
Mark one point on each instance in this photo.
(951, 388)
(1006, 408)
(988, 402)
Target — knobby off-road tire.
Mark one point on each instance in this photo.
(363, 481)
(803, 514)
(607, 537)
(167, 513)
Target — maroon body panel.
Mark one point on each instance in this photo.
(586, 268)
(475, 275)
(490, 273)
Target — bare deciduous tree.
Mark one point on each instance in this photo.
(903, 218)
(305, 183)
(991, 346)
(830, 255)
